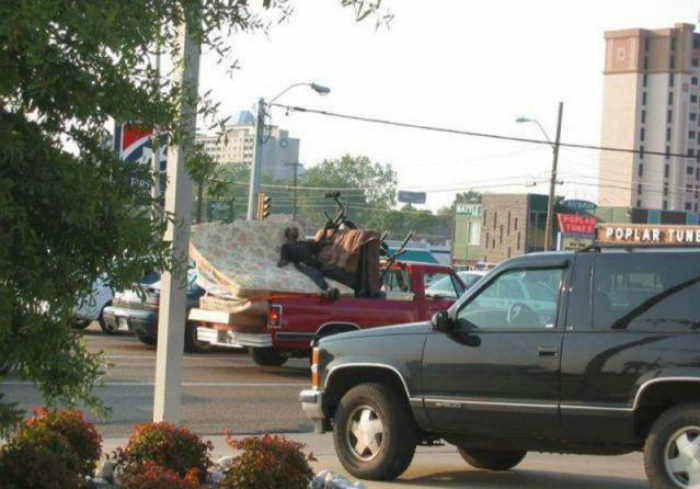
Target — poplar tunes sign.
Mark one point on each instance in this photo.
(646, 234)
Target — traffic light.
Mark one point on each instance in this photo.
(263, 206)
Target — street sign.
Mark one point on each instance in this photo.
(132, 142)
(412, 197)
(575, 224)
(473, 210)
(220, 211)
(578, 205)
(644, 234)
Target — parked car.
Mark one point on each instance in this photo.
(136, 311)
(615, 368)
(293, 321)
(445, 288)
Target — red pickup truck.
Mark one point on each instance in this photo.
(294, 321)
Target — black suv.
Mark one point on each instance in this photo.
(595, 352)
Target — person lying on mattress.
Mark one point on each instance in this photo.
(303, 255)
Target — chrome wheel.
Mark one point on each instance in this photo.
(365, 433)
(682, 457)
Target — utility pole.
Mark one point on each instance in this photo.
(178, 203)
(295, 169)
(256, 169)
(553, 181)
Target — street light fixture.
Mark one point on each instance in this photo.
(555, 162)
(256, 170)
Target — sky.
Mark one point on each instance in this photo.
(474, 66)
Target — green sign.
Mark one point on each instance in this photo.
(578, 205)
(220, 211)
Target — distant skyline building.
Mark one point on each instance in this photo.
(238, 146)
(651, 104)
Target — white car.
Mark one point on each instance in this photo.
(90, 308)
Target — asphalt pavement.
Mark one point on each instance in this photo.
(225, 390)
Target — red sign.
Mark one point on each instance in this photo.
(575, 224)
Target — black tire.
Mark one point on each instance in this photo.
(660, 442)
(192, 344)
(101, 320)
(397, 443)
(496, 460)
(267, 357)
(146, 340)
(81, 324)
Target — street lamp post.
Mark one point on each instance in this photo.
(256, 170)
(555, 163)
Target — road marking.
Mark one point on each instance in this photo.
(184, 384)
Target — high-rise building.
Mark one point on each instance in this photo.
(651, 104)
(237, 145)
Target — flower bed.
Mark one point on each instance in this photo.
(60, 449)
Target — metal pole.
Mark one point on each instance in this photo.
(256, 169)
(178, 202)
(200, 196)
(295, 170)
(553, 182)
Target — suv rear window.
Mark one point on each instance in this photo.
(647, 292)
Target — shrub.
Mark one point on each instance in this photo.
(80, 434)
(150, 475)
(268, 462)
(39, 458)
(169, 446)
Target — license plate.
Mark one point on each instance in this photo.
(123, 325)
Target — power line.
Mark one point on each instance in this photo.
(460, 132)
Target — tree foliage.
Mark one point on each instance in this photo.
(69, 212)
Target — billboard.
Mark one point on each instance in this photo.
(132, 142)
(645, 234)
(412, 197)
(574, 224)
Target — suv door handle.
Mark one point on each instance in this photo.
(547, 352)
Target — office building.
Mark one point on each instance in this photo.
(651, 97)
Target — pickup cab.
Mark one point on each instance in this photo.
(294, 321)
(592, 352)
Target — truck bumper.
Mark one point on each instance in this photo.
(312, 405)
(144, 323)
(233, 339)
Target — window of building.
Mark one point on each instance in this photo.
(695, 207)
(645, 80)
(665, 205)
(668, 134)
(640, 170)
(633, 293)
(500, 237)
(646, 44)
(667, 171)
(665, 190)
(688, 206)
(697, 174)
(671, 77)
(474, 238)
(644, 116)
(694, 80)
(641, 134)
(690, 170)
(693, 116)
(639, 188)
(644, 98)
(669, 116)
(691, 152)
(515, 224)
(646, 62)
(668, 152)
(488, 239)
(639, 203)
(670, 98)
(509, 217)
(673, 43)
(641, 152)
(485, 213)
(696, 63)
(518, 241)
(495, 219)
(691, 134)
(694, 99)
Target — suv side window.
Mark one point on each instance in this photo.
(647, 292)
(442, 285)
(510, 302)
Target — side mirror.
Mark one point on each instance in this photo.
(441, 322)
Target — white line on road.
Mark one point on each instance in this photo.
(184, 384)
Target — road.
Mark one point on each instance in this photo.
(223, 390)
(226, 391)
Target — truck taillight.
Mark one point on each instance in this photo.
(315, 359)
(274, 316)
